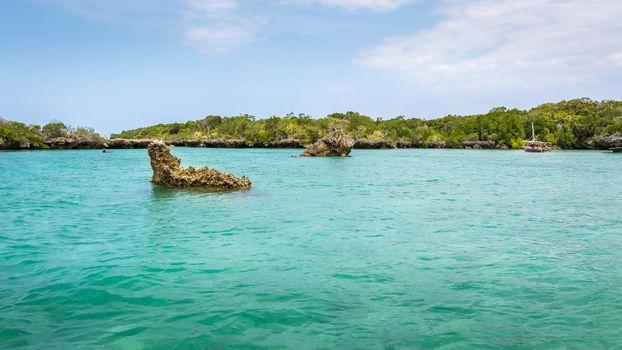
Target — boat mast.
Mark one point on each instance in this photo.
(533, 133)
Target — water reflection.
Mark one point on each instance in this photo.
(163, 193)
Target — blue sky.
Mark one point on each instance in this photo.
(115, 64)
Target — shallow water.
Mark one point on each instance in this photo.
(413, 249)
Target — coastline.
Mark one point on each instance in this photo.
(62, 143)
(574, 124)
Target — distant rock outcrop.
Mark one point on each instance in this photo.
(437, 144)
(374, 144)
(607, 141)
(76, 143)
(13, 144)
(479, 144)
(409, 144)
(128, 143)
(336, 144)
(207, 143)
(210, 143)
(168, 172)
(285, 143)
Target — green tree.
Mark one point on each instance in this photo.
(55, 129)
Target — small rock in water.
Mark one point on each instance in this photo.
(336, 144)
(168, 172)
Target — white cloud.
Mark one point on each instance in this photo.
(213, 7)
(211, 26)
(354, 5)
(219, 38)
(616, 58)
(218, 26)
(509, 44)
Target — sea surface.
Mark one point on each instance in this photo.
(386, 249)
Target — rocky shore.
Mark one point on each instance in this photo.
(482, 145)
(613, 142)
(88, 143)
(600, 142)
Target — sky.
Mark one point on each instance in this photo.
(120, 64)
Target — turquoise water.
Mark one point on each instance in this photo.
(396, 249)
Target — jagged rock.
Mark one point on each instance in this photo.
(8, 144)
(210, 143)
(479, 144)
(185, 143)
(234, 143)
(75, 143)
(168, 172)
(286, 143)
(128, 143)
(374, 144)
(607, 141)
(404, 144)
(408, 144)
(336, 144)
(437, 144)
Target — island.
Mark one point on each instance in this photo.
(573, 124)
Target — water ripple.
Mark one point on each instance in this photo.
(403, 249)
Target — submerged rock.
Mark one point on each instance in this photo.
(336, 144)
(168, 172)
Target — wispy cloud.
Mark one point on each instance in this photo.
(355, 5)
(219, 38)
(218, 26)
(211, 26)
(509, 44)
(216, 8)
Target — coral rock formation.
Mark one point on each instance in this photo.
(374, 144)
(76, 143)
(168, 172)
(437, 144)
(336, 144)
(479, 144)
(607, 141)
(286, 143)
(128, 143)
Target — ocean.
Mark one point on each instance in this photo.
(386, 249)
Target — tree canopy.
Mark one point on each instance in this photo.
(566, 124)
(12, 132)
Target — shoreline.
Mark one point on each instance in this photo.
(92, 144)
(574, 124)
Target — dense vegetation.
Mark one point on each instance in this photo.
(34, 136)
(567, 124)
